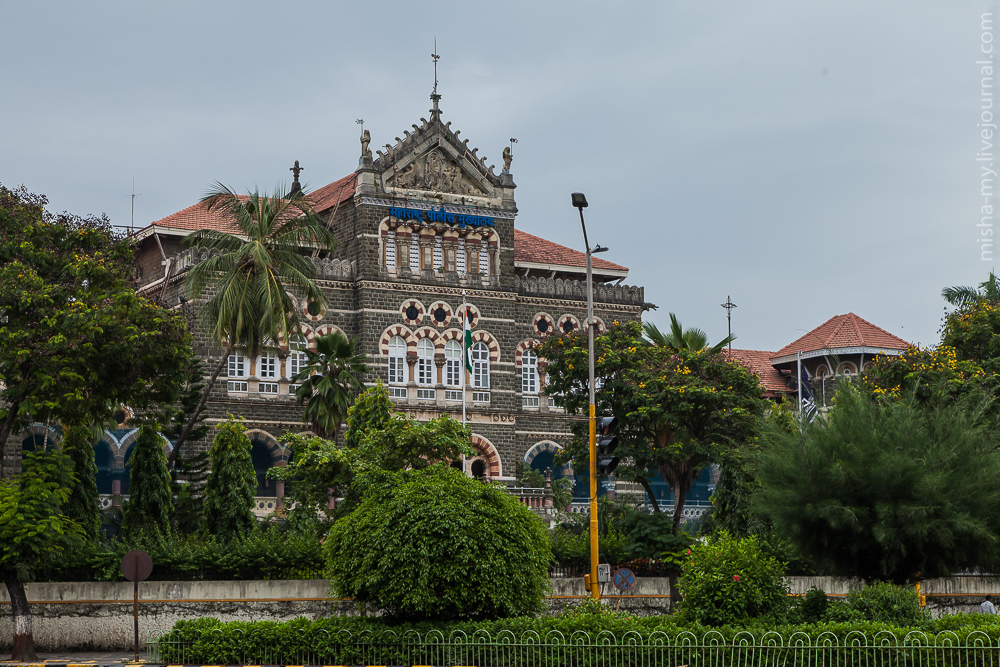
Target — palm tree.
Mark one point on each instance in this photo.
(251, 271)
(988, 291)
(682, 339)
(330, 382)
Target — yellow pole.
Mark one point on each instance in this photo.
(595, 589)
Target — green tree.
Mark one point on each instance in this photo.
(678, 409)
(251, 273)
(77, 341)
(371, 411)
(232, 482)
(883, 490)
(34, 533)
(974, 333)
(329, 382)
(82, 504)
(433, 544)
(729, 581)
(188, 474)
(149, 502)
(929, 375)
(678, 338)
(987, 292)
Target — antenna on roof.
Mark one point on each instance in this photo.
(435, 111)
(131, 225)
(729, 305)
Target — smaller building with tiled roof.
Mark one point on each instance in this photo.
(535, 256)
(774, 384)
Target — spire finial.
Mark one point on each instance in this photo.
(435, 111)
(296, 187)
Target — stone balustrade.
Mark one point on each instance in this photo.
(329, 269)
(577, 290)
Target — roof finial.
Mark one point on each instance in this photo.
(435, 112)
(296, 187)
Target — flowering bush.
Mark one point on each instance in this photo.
(730, 581)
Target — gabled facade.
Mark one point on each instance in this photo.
(424, 226)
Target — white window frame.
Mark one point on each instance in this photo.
(453, 364)
(237, 365)
(480, 365)
(397, 360)
(267, 365)
(425, 362)
(529, 372)
(460, 257)
(296, 355)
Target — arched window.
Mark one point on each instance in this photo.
(452, 363)
(425, 361)
(397, 360)
(102, 459)
(296, 355)
(480, 366)
(415, 252)
(529, 372)
(484, 259)
(390, 250)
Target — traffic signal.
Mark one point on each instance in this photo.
(607, 441)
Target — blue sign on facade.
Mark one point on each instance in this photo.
(440, 215)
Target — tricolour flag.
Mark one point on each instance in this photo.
(808, 402)
(468, 339)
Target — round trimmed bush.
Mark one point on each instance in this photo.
(729, 581)
(433, 544)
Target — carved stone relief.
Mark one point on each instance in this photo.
(434, 172)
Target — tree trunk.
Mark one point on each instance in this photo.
(5, 428)
(24, 643)
(197, 412)
(649, 494)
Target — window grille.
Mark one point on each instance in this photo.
(460, 257)
(529, 373)
(267, 366)
(453, 364)
(484, 260)
(414, 254)
(390, 250)
(438, 253)
(397, 361)
(425, 362)
(480, 366)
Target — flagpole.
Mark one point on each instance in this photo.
(798, 383)
(462, 369)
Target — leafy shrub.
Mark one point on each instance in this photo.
(729, 581)
(814, 605)
(261, 554)
(571, 549)
(652, 535)
(436, 544)
(886, 603)
(232, 482)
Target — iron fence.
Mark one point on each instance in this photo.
(579, 649)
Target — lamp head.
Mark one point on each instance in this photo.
(598, 248)
(579, 200)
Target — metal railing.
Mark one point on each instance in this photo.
(270, 646)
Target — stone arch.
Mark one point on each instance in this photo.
(543, 324)
(550, 447)
(402, 332)
(118, 461)
(274, 451)
(528, 344)
(567, 319)
(429, 332)
(487, 453)
(473, 315)
(278, 451)
(451, 334)
(417, 306)
(449, 315)
(846, 367)
(326, 329)
(491, 343)
(599, 328)
(822, 371)
(306, 332)
(37, 430)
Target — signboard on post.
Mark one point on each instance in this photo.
(136, 567)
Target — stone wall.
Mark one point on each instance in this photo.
(98, 615)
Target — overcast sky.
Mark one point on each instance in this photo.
(807, 159)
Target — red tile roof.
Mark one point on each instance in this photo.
(843, 331)
(531, 248)
(199, 217)
(759, 362)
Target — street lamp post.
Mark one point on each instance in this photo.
(580, 202)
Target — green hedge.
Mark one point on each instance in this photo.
(578, 637)
(262, 554)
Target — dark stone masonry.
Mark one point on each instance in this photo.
(422, 228)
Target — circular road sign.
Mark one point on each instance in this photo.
(136, 565)
(624, 579)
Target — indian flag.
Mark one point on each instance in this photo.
(468, 339)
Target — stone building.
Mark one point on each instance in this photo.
(423, 227)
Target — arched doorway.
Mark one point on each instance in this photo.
(263, 461)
